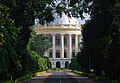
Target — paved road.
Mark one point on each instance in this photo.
(60, 77)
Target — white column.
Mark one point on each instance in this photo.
(63, 64)
(54, 64)
(76, 43)
(53, 47)
(79, 38)
(70, 46)
(62, 46)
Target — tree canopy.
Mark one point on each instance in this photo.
(16, 17)
(101, 35)
(39, 43)
(101, 38)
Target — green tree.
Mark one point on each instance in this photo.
(47, 61)
(23, 13)
(101, 36)
(74, 64)
(39, 43)
(9, 59)
(113, 45)
(15, 55)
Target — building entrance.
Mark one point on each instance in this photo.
(66, 64)
(58, 64)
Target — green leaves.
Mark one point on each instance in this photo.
(39, 43)
(101, 39)
(15, 57)
(74, 64)
(8, 53)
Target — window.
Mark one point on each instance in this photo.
(73, 40)
(50, 40)
(73, 53)
(50, 54)
(65, 40)
(65, 54)
(57, 53)
(57, 40)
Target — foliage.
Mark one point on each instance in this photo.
(27, 76)
(9, 60)
(47, 61)
(101, 37)
(83, 60)
(41, 62)
(74, 64)
(39, 43)
(16, 16)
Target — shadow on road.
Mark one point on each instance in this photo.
(60, 77)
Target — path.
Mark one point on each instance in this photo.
(60, 77)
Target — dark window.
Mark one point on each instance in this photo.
(50, 40)
(57, 40)
(73, 40)
(65, 54)
(50, 54)
(65, 40)
(58, 54)
(73, 53)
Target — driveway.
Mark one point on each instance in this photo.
(60, 77)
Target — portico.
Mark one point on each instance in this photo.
(64, 40)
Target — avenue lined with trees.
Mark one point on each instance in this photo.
(101, 40)
(16, 56)
(100, 44)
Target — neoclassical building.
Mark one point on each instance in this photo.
(65, 39)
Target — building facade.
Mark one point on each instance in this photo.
(65, 39)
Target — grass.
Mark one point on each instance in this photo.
(94, 77)
(28, 76)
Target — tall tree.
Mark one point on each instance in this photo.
(15, 56)
(39, 43)
(9, 60)
(101, 36)
(113, 44)
(23, 12)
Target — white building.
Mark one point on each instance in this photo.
(64, 37)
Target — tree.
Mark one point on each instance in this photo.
(9, 60)
(39, 43)
(74, 64)
(113, 45)
(101, 36)
(23, 13)
(15, 56)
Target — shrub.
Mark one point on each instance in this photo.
(74, 65)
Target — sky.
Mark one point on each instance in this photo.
(64, 19)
